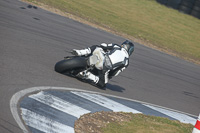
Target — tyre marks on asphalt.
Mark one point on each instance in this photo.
(56, 111)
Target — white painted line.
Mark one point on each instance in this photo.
(105, 102)
(44, 124)
(178, 116)
(59, 104)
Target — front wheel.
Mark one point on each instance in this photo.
(70, 63)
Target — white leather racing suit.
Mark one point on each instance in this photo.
(116, 60)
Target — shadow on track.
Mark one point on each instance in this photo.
(114, 87)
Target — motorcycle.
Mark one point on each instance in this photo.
(73, 65)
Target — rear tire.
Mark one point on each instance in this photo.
(70, 64)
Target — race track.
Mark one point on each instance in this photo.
(32, 40)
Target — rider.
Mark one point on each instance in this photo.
(116, 56)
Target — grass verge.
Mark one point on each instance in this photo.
(142, 123)
(144, 21)
(120, 122)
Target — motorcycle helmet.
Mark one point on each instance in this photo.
(129, 46)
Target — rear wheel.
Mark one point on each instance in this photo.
(70, 63)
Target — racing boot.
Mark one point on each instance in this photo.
(81, 52)
(88, 76)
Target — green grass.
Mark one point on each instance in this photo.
(148, 124)
(143, 19)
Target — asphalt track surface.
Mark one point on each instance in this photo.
(32, 40)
